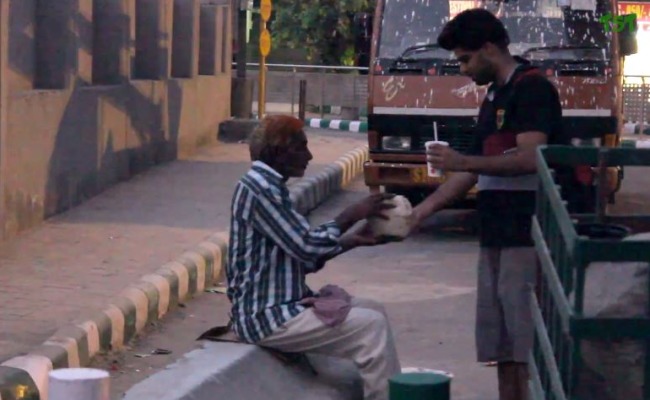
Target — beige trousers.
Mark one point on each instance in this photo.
(364, 337)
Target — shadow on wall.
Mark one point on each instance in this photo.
(70, 137)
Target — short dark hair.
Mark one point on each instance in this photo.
(471, 29)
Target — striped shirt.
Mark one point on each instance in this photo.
(272, 248)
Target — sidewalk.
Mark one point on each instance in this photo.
(73, 264)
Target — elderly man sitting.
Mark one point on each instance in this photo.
(272, 248)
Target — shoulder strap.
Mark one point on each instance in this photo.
(530, 72)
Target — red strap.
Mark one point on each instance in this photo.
(530, 72)
(584, 174)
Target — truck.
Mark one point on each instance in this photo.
(416, 87)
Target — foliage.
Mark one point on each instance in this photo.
(323, 28)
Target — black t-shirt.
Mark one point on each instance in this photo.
(527, 102)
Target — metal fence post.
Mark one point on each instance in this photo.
(302, 99)
(645, 97)
(355, 101)
(293, 91)
(322, 93)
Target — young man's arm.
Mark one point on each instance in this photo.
(456, 186)
(534, 115)
(519, 161)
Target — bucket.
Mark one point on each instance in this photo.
(420, 384)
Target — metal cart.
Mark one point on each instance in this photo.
(563, 257)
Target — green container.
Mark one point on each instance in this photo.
(419, 386)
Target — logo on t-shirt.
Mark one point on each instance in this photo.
(501, 114)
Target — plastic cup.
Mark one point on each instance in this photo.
(433, 172)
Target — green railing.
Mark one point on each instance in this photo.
(560, 325)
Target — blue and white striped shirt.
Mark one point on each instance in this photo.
(272, 248)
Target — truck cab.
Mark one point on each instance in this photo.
(414, 84)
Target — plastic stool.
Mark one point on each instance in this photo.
(419, 386)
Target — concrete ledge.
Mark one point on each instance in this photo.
(154, 295)
(247, 372)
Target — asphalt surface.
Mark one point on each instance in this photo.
(426, 282)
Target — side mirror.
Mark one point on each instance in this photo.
(627, 36)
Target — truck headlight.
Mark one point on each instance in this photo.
(396, 143)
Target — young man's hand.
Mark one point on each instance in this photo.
(446, 158)
(416, 220)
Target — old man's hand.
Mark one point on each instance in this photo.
(372, 206)
(446, 158)
(364, 237)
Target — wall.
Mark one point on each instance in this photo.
(89, 97)
(347, 88)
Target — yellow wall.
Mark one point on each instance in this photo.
(64, 137)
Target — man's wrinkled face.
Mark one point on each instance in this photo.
(296, 157)
(476, 65)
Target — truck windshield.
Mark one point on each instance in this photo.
(531, 24)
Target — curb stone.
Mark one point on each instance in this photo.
(147, 300)
(338, 124)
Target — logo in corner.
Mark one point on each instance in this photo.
(501, 115)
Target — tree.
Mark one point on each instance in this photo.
(324, 28)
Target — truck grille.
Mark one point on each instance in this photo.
(458, 131)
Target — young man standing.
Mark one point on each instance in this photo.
(520, 112)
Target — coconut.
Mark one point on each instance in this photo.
(398, 224)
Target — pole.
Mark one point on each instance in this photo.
(322, 93)
(293, 91)
(79, 384)
(645, 97)
(302, 99)
(262, 87)
(4, 10)
(264, 49)
(241, 42)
